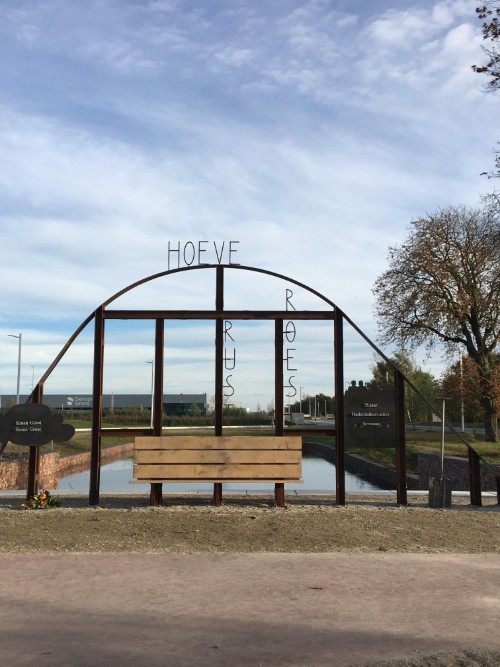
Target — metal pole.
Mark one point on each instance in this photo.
(20, 338)
(339, 406)
(444, 399)
(442, 439)
(152, 389)
(462, 410)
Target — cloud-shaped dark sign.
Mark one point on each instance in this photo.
(33, 424)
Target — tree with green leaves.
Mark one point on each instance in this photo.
(417, 409)
(443, 286)
(461, 383)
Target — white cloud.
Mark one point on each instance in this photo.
(118, 54)
(235, 57)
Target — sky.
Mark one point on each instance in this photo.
(308, 133)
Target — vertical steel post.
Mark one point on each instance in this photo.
(475, 478)
(219, 369)
(339, 405)
(34, 454)
(155, 496)
(278, 377)
(95, 453)
(401, 490)
(279, 487)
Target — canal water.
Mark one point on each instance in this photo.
(317, 473)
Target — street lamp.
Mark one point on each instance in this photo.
(20, 338)
(32, 377)
(443, 414)
(300, 397)
(152, 389)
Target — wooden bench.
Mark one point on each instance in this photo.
(217, 459)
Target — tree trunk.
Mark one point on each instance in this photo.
(487, 382)
(490, 421)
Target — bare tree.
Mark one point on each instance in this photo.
(489, 13)
(443, 286)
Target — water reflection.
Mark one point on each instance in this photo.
(318, 476)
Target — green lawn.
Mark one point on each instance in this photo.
(416, 442)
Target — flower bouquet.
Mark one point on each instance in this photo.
(41, 501)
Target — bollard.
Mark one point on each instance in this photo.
(439, 492)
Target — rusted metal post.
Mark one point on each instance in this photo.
(33, 472)
(401, 491)
(34, 453)
(156, 491)
(339, 406)
(278, 376)
(279, 488)
(219, 369)
(158, 379)
(475, 478)
(279, 494)
(217, 499)
(95, 453)
(156, 494)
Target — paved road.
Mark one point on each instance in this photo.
(221, 610)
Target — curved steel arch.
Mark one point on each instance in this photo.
(339, 317)
(38, 390)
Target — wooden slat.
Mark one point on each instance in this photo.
(218, 442)
(274, 480)
(219, 456)
(209, 472)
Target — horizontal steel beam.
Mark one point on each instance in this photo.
(219, 314)
(148, 431)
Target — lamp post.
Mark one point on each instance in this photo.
(439, 487)
(443, 412)
(152, 389)
(20, 338)
(300, 397)
(32, 377)
(462, 411)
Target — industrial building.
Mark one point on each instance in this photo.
(173, 404)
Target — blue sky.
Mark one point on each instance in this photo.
(311, 132)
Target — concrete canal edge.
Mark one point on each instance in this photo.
(373, 472)
(455, 468)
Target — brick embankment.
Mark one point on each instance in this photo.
(14, 471)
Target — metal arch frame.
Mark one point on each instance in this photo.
(219, 315)
(337, 316)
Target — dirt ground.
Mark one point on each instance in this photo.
(250, 524)
(191, 524)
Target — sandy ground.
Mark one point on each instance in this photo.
(372, 527)
(251, 524)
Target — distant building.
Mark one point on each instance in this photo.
(173, 404)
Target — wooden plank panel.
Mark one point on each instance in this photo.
(209, 472)
(226, 480)
(217, 456)
(218, 442)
